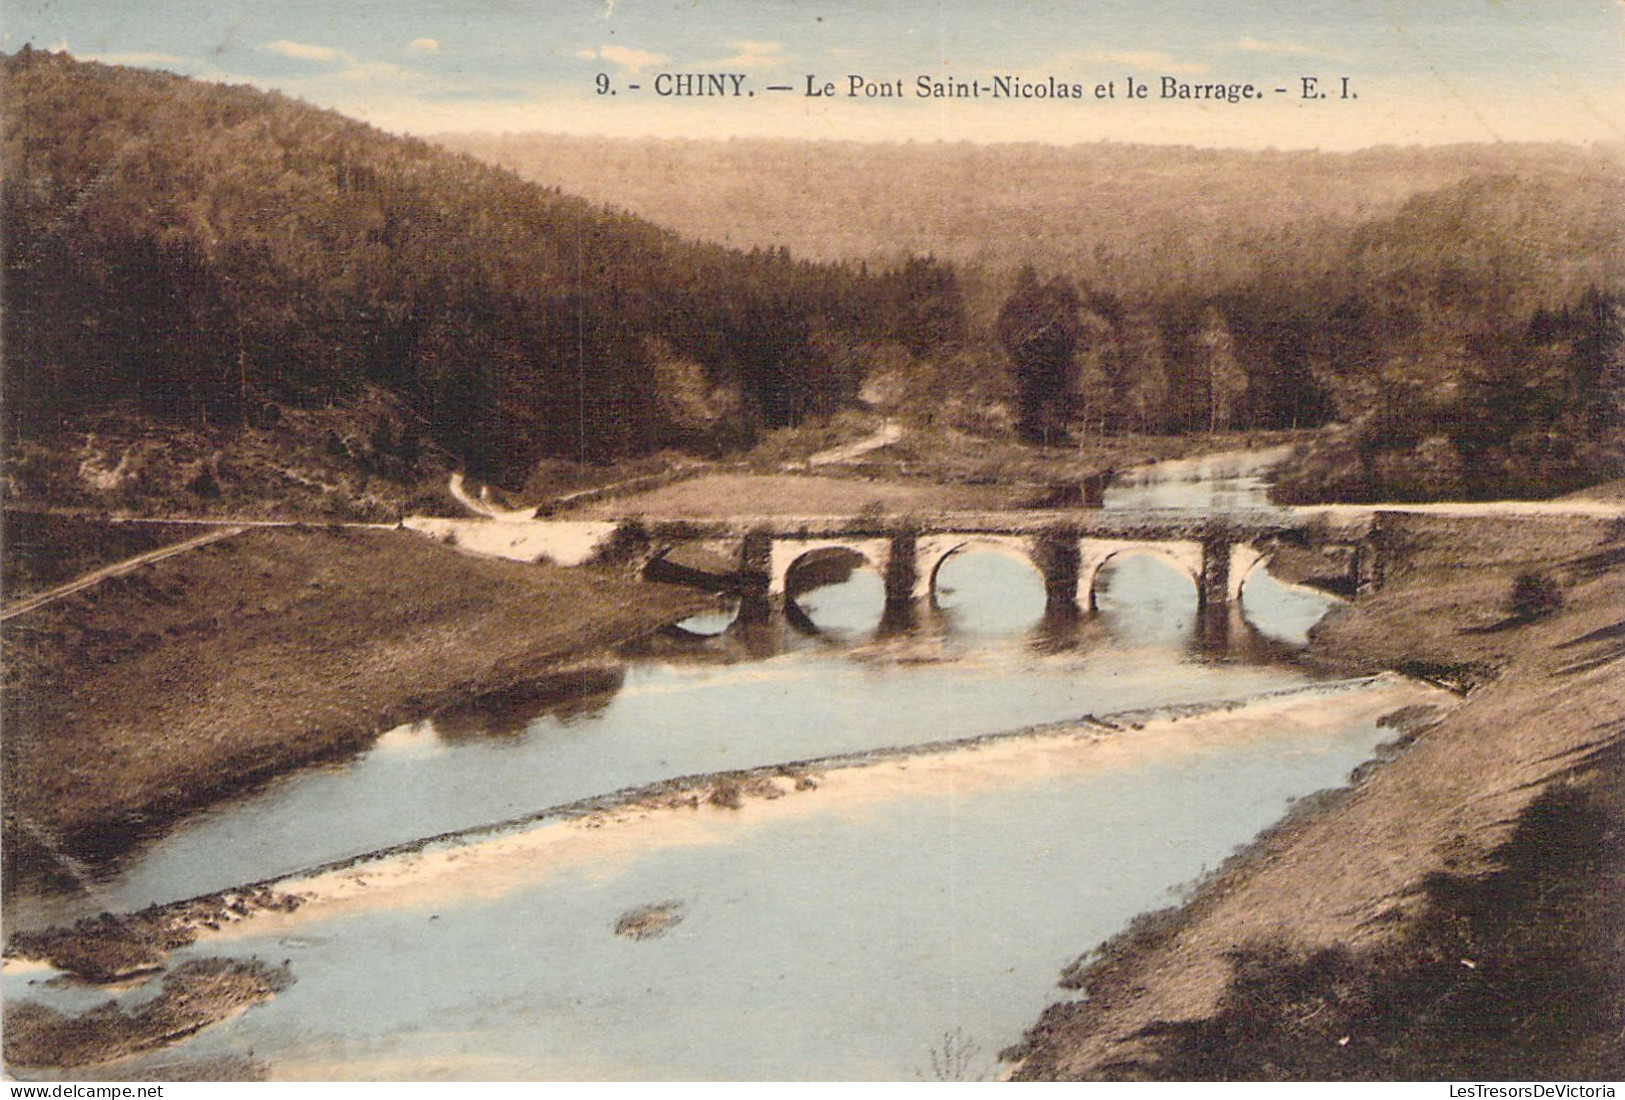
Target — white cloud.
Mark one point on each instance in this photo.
(754, 55)
(303, 51)
(628, 59)
(423, 45)
(351, 70)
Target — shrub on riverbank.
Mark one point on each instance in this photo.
(1528, 408)
(1534, 596)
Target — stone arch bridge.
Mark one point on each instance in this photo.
(1067, 549)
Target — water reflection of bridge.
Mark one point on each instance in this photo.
(758, 555)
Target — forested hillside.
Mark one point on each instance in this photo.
(218, 256)
(1457, 309)
(235, 265)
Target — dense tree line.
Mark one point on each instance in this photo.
(1138, 222)
(1448, 340)
(1038, 327)
(1215, 287)
(211, 254)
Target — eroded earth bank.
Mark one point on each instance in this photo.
(1462, 910)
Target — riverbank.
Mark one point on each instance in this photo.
(1457, 913)
(185, 681)
(1445, 613)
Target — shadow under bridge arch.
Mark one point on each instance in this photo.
(801, 566)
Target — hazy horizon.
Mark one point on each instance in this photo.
(1612, 145)
(1448, 72)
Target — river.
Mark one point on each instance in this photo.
(870, 937)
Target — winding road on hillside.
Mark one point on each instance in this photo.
(889, 433)
(96, 576)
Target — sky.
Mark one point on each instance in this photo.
(1419, 71)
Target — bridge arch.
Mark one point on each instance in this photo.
(787, 553)
(933, 552)
(695, 562)
(828, 559)
(1095, 553)
(721, 618)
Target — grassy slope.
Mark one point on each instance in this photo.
(730, 494)
(157, 690)
(44, 550)
(314, 464)
(1358, 918)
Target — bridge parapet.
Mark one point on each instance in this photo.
(1147, 525)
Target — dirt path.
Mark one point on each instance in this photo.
(117, 569)
(890, 433)
(481, 505)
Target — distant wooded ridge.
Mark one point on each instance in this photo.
(215, 255)
(1127, 219)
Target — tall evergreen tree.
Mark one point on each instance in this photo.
(1039, 328)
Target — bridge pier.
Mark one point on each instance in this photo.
(755, 577)
(902, 578)
(1059, 559)
(1213, 587)
(902, 572)
(1219, 626)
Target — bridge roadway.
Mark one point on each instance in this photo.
(1067, 547)
(1115, 523)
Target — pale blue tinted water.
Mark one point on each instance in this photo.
(973, 668)
(841, 945)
